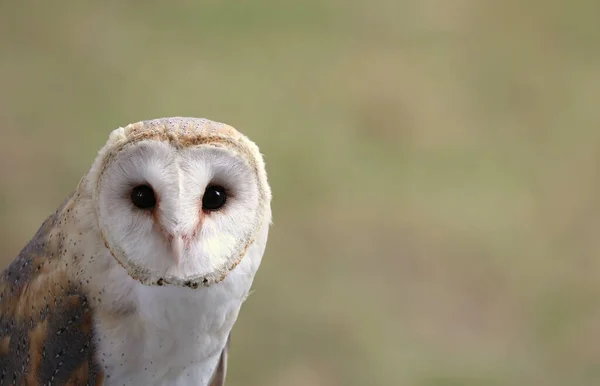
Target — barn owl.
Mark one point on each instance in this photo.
(138, 278)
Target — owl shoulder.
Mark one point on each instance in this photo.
(46, 323)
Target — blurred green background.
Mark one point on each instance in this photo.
(434, 167)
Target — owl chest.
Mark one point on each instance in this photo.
(167, 341)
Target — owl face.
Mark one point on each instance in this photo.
(180, 212)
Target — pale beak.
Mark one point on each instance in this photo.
(177, 248)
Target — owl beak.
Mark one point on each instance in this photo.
(177, 248)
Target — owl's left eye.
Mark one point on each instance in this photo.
(214, 198)
(142, 196)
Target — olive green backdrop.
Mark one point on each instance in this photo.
(434, 163)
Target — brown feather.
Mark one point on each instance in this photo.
(46, 323)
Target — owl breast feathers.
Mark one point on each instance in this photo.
(139, 276)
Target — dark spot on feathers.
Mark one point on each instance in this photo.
(191, 284)
(53, 333)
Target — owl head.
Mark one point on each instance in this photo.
(179, 200)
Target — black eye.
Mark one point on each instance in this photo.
(214, 197)
(143, 197)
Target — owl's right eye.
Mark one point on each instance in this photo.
(142, 196)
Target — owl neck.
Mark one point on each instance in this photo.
(151, 332)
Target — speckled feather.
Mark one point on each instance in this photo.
(73, 306)
(46, 322)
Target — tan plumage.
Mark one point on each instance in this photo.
(79, 295)
(46, 321)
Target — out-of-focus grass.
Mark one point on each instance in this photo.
(434, 168)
